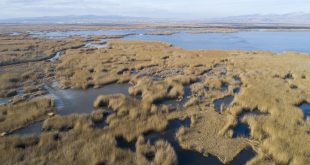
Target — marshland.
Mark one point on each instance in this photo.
(159, 95)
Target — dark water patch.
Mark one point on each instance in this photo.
(223, 102)
(134, 71)
(71, 101)
(20, 92)
(149, 156)
(236, 90)
(224, 87)
(99, 118)
(243, 157)
(254, 112)
(242, 129)
(237, 78)
(177, 103)
(288, 76)
(122, 143)
(293, 86)
(156, 78)
(100, 124)
(305, 107)
(31, 129)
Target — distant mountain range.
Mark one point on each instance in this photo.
(78, 19)
(290, 18)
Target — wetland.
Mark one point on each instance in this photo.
(154, 96)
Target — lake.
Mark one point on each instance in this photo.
(245, 40)
(250, 40)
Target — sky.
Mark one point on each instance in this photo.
(150, 8)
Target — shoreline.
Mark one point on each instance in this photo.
(215, 27)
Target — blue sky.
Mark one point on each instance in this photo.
(150, 8)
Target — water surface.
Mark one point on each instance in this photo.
(305, 107)
(71, 101)
(31, 129)
(244, 40)
(249, 40)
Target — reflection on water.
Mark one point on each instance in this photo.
(71, 101)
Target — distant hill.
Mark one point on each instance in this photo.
(290, 18)
(78, 19)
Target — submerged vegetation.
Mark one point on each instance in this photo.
(267, 83)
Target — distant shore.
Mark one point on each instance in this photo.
(193, 27)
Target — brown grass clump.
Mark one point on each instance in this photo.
(8, 83)
(67, 123)
(131, 117)
(62, 148)
(131, 129)
(21, 114)
(153, 91)
(99, 115)
(161, 153)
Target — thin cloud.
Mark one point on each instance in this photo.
(150, 8)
